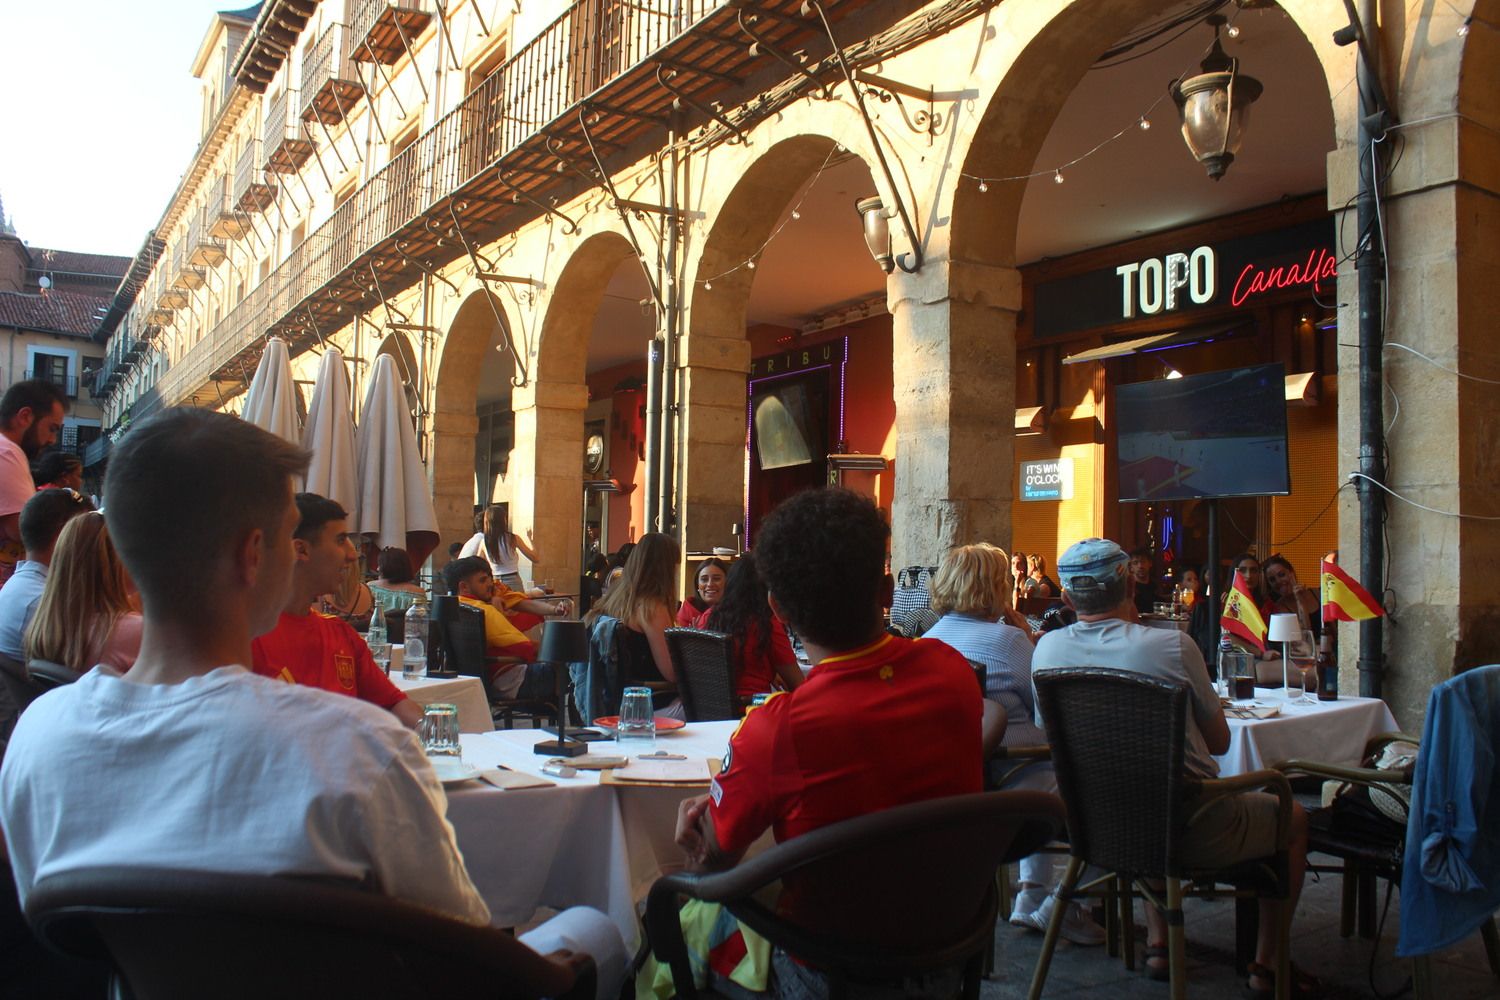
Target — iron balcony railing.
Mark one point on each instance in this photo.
(576, 54)
(330, 83)
(283, 145)
(252, 193)
(204, 249)
(395, 18)
(67, 383)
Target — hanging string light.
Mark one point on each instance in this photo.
(748, 263)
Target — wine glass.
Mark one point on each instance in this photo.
(1305, 659)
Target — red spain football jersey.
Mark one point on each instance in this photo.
(895, 722)
(322, 652)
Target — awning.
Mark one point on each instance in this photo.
(329, 436)
(271, 400)
(1156, 342)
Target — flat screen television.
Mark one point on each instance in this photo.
(1220, 434)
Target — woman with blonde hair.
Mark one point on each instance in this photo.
(643, 601)
(970, 591)
(88, 614)
(1038, 583)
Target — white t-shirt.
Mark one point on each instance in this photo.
(508, 563)
(1165, 654)
(16, 487)
(228, 772)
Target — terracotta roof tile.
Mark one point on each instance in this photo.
(77, 263)
(56, 312)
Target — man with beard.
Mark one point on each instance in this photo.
(31, 415)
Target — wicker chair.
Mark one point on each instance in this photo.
(705, 674)
(179, 934)
(48, 675)
(1118, 744)
(1371, 850)
(464, 642)
(932, 907)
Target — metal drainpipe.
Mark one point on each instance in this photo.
(672, 300)
(653, 427)
(1370, 267)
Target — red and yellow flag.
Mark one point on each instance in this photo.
(1241, 617)
(1344, 599)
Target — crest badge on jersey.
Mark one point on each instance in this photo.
(344, 663)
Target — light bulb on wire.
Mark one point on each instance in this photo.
(1233, 31)
(1057, 178)
(983, 187)
(1145, 124)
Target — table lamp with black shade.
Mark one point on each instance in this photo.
(563, 643)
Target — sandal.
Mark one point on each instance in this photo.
(1161, 973)
(1303, 984)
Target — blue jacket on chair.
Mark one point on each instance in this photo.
(598, 683)
(1450, 879)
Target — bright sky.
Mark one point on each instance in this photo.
(100, 116)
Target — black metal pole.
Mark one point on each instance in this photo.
(1370, 268)
(1211, 583)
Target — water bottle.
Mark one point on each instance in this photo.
(1226, 665)
(414, 666)
(380, 647)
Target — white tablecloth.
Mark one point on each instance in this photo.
(1334, 732)
(465, 692)
(576, 844)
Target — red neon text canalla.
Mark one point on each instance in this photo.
(1253, 280)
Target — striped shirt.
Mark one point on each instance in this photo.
(1005, 652)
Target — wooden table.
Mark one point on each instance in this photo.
(465, 692)
(576, 842)
(1334, 732)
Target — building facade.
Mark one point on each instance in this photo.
(619, 242)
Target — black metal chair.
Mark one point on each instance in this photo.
(173, 934)
(1118, 743)
(464, 644)
(898, 893)
(1371, 845)
(705, 674)
(17, 690)
(48, 675)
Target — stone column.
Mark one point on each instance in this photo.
(953, 356)
(546, 472)
(451, 465)
(1442, 209)
(711, 476)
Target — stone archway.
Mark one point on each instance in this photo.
(454, 416)
(714, 362)
(549, 411)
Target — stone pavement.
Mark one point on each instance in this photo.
(1458, 974)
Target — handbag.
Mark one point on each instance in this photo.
(911, 606)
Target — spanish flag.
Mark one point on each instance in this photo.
(1344, 599)
(1241, 617)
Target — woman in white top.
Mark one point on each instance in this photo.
(971, 591)
(501, 546)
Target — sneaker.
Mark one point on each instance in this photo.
(1027, 902)
(1077, 926)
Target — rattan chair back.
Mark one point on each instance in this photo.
(705, 674)
(47, 675)
(181, 934)
(1117, 741)
(895, 893)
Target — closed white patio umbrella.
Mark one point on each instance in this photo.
(395, 501)
(271, 400)
(329, 435)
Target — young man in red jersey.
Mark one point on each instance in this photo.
(318, 650)
(806, 758)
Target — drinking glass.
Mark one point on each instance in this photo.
(637, 724)
(1244, 676)
(439, 730)
(1305, 660)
